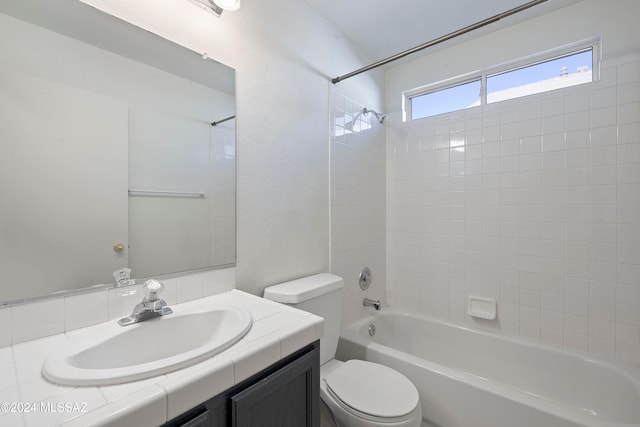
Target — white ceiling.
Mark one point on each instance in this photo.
(382, 28)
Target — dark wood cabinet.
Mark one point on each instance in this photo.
(286, 394)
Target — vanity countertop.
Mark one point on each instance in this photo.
(27, 399)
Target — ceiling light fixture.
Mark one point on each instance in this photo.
(218, 6)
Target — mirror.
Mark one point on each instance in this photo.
(109, 156)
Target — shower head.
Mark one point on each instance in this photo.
(382, 118)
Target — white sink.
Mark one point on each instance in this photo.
(112, 354)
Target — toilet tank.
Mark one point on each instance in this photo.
(320, 294)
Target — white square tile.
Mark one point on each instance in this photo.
(628, 254)
(579, 158)
(217, 281)
(603, 175)
(576, 342)
(601, 98)
(530, 332)
(552, 337)
(576, 99)
(628, 174)
(577, 139)
(603, 214)
(629, 73)
(30, 356)
(577, 121)
(577, 324)
(145, 407)
(73, 404)
(629, 214)
(629, 132)
(603, 348)
(552, 104)
(553, 141)
(190, 288)
(601, 309)
(602, 271)
(13, 419)
(192, 385)
(628, 113)
(251, 358)
(37, 319)
(627, 334)
(629, 93)
(602, 328)
(627, 313)
(296, 336)
(608, 77)
(553, 160)
(590, 198)
(40, 389)
(119, 391)
(628, 194)
(627, 353)
(86, 309)
(7, 367)
(552, 302)
(629, 274)
(6, 327)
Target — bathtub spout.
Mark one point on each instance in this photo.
(371, 303)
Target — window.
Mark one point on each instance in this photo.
(569, 66)
(444, 100)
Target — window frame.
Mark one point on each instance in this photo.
(594, 44)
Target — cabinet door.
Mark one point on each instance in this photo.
(290, 397)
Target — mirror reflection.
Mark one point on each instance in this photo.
(109, 157)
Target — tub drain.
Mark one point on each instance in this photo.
(372, 330)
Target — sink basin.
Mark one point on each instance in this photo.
(111, 354)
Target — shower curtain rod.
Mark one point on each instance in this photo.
(439, 40)
(222, 120)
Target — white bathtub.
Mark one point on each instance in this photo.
(468, 378)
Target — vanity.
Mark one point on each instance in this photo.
(270, 377)
(286, 394)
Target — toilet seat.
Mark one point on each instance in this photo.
(372, 391)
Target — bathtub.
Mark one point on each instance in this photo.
(469, 378)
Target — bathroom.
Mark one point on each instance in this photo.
(312, 199)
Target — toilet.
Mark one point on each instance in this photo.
(358, 393)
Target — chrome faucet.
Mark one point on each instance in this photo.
(151, 306)
(371, 303)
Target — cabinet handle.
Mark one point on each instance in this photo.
(200, 420)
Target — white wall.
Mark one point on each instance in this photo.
(284, 55)
(532, 201)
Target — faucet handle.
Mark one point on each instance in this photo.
(122, 276)
(152, 289)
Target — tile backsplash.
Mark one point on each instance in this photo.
(533, 201)
(47, 317)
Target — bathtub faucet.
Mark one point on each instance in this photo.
(371, 303)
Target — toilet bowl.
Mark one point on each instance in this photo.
(366, 394)
(358, 393)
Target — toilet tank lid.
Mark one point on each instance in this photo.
(299, 290)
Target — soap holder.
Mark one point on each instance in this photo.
(482, 307)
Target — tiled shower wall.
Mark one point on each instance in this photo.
(534, 202)
(357, 204)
